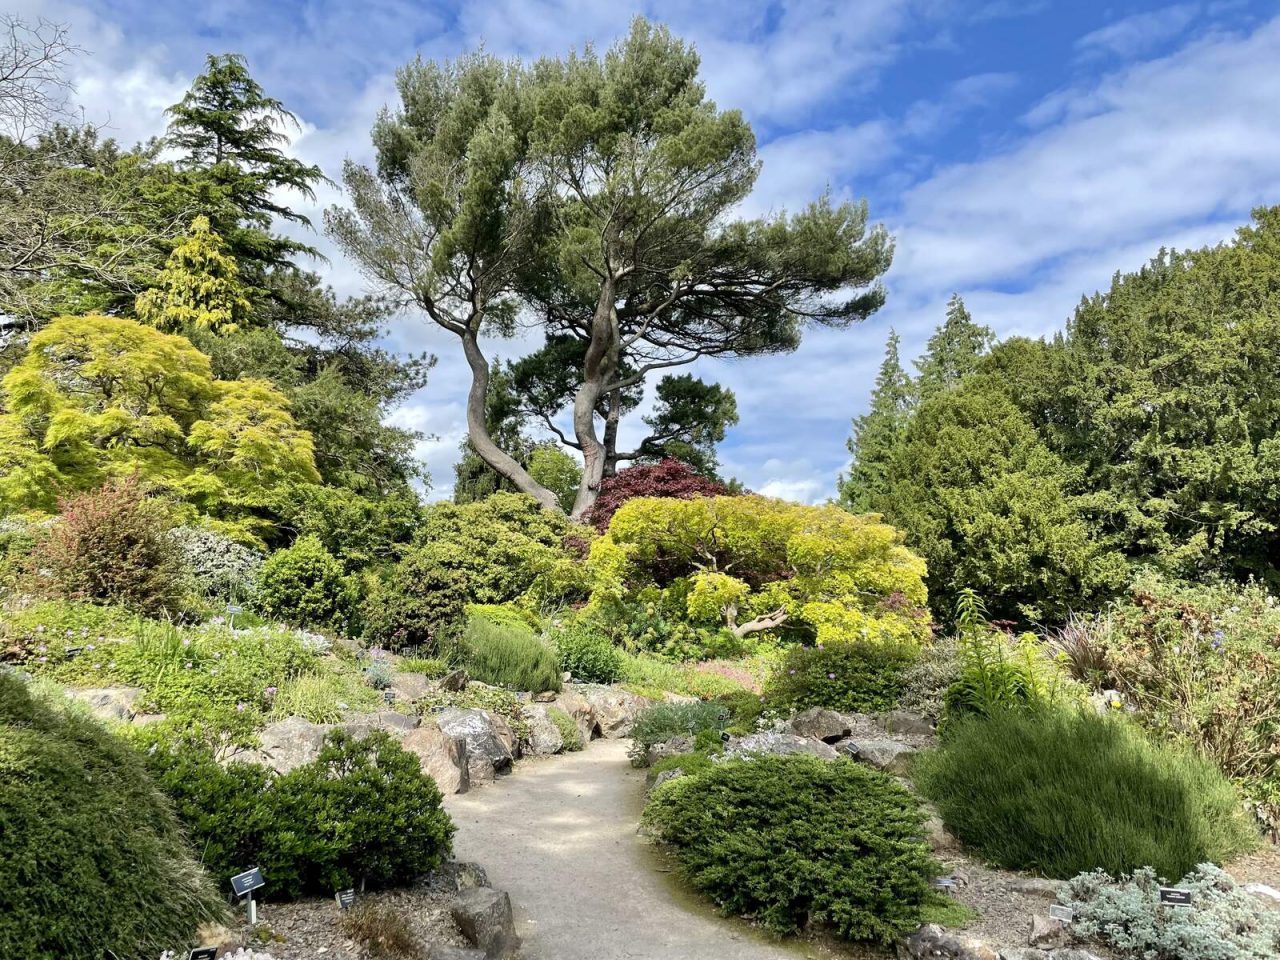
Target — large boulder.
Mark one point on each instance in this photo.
(411, 686)
(108, 703)
(442, 757)
(671, 748)
(887, 755)
(579, 710)
(484, 917)
(778, 743)
(933, 942)
(904, 722)
(394, 724)
(615, 709)
(288, 743)
(545, 737)
(488, 743)
(820, 724)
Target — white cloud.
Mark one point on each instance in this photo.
(1138, 33)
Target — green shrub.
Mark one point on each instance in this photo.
(419, 605)
(587, 653)
(111, 546)
(853, 677)
(510, 657)
(360, 531)
(432, 667)
(93, 860)
(790, 841)
(361, 813)
(1061, 791)
(1225, 922)
(666, 721)
(322, 695)
(305, 585)
(504, 615)
(568, 729)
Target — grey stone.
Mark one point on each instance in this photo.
(774, 742)
(1046, 932)
(389, 721)
(442, 757)
(579, 710)
(932, 941)
(546, 696)
(940, 838)
(484, 917)
(288, 743)
(545, 737)
(1270, 896)
(488, 752)
(1073, 953)
(675, 773)
(410, 686)
(1023, 953)
(820, 724)
(905, 722)
(677, 746)
(1037, 887)
(440, 951)
(455, 681)
(108, 703)
(615, 710)
(463, 875)
(145, 719)
(888, 755)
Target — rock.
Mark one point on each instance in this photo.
(288, 743)
(1023, 953)
(820, 724)
(671, 748)
(363, 724)
(546, 696)
(940, 838)
(455, 681)
(674, 773)
(145, 719)
(440, 951)
(1037, 887)
(410, 686)
(1270, 896)
(577, 707)
(545, 737)
(669, 697)
(443, 758)
(108, 703)
(932, 941)
(1046, 932)
(1072, 953)
(1105, 701)
(488, 753)
(615, 710)
(484, 917)
(888, 755)
(774, 742)
(505, 734)
(904, 722)
(463, 874)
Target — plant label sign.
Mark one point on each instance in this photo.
(346, 898)
(945, 884)
(203, 953)
(72, 652)
(389, 696)
(233, 609)
(1058, 912)
(247, 882)
(1175, 897)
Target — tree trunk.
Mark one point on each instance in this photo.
(598, 366)
(765, 621)
(613, 414)
(478, 430)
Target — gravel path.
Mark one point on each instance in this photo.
(560, 836)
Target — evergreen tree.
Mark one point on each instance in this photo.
(877, 433)
(199, 288)
(953, 351)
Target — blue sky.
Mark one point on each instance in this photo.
(1020, 151)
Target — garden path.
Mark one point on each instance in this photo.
(559, 835)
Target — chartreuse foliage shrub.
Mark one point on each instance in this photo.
(795, 840)
(857, 677)
(362, 813)
(1201, 665)
(93, 861)
(587, 651)
(1225, 922)
(1060, 791)
(510, 656)
(305, 585)
(751, 565)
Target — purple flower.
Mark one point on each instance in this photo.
(43, 647)
(43, 659)
(270, 691)
(792, 672)
(186, 641)
(90, 647)
(819, 646)
(241, 707)
(831, 676)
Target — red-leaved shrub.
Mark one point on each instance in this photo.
(669, 478)
(111, 545)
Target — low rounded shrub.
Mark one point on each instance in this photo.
(419, 605)
(220, 568)
(1062, 791)
(509, 656)
(362, 813)
(588, 654)
(794, 840)
(852, 677)
(305, 585)
(666, 721)
(93, 861)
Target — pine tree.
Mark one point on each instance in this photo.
(876, 433)
(199, 288)
(953, 351)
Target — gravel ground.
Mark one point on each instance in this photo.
(312, 928)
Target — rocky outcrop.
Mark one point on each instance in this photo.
(287, 744)
(671, 748)
(411, 686)
(887, 755)
(933, 942)
(388, 721)
(442, 757)
(545, 737)
(777, 743)
(108, 703)
(484, 917)
(820, 724)
(579, 711)
(903, 722)
(489, 741)
(615, 710)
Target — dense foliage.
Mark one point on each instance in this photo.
(305, 584)
(856, 677)
(362, 813)
(1061, 791)
(587, 652)
(418, 605)
(795, 840)
(509, 655)
(91, 846)
(666, 721)
(668, 478)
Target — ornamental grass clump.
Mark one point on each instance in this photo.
(1060, 791)
(792, 841)
(92, 860)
